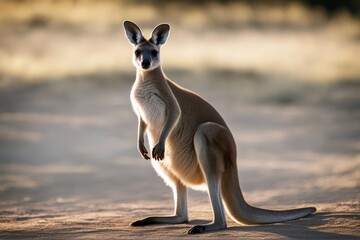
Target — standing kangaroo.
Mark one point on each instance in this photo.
(191, 144)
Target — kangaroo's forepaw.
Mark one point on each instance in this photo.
(197, 229)
(158, 152)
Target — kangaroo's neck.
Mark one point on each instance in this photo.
(155, 75)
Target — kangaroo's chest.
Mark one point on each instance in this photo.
(148, 104)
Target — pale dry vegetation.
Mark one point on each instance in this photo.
(47, 40)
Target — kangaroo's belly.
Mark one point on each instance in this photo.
(180, 162)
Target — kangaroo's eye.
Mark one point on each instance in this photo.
(154, 53)
(137, 52)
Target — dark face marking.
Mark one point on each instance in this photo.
(137, 53)
(154, 53)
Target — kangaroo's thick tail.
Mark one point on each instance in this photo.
(241, 212)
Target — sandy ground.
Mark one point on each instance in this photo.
(97, 220)
(69, 167)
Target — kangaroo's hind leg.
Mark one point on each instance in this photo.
(180, 212)
(212, 146)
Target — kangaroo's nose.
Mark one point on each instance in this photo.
(145, 64)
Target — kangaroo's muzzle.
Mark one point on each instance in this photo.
(145, 64)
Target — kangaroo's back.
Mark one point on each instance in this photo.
(194, 109)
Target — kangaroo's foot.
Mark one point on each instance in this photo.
(159, 220)
(206, 228)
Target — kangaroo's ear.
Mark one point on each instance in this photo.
(160, 34)
(133, 32)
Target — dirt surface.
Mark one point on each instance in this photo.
(69, 167)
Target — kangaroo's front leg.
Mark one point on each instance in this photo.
(140, 144)
(173, 113)
(180, 211)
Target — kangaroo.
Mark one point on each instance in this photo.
(191, 144)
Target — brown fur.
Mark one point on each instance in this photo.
(190, 142)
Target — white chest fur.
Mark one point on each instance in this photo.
(148, 104)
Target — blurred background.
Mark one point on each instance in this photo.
(285, 75)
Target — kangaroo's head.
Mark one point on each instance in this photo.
(146, 52)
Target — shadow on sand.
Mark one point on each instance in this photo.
(306, 228)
